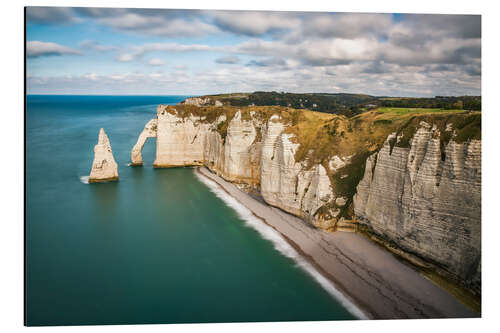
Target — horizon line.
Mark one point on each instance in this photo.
(215, 94)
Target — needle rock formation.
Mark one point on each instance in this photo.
(104, 167)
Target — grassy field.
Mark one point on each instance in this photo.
(414, 111)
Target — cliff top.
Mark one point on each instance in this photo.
(326, 138)
(340, 103)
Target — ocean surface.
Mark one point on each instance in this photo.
(159, 246)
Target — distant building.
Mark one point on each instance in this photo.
(370, 106)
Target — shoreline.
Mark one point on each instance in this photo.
(373, 280)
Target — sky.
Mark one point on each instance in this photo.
(114, 51)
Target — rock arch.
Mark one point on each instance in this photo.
(149, 131)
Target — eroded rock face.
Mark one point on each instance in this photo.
(426, 205)
(179, 141)
(104, 167)
(148, 132)
(267, 163)
(412, 197)
(197, 101)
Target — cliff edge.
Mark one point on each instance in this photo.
(409, 177)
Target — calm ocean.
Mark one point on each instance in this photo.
(156, 247)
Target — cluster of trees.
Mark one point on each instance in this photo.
(351, 104)
(438, 102)
(347, 104)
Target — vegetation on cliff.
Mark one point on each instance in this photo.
(345, 104)
(323, 136)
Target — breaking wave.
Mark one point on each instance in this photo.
(84, 179)
(280, 244)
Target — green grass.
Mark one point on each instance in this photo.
(405, 111)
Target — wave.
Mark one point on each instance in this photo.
(84, 179)
(281, 245)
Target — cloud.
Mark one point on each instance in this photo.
(126, 57)
(293, 51)
(345, 25)
(138, 51)
(157, 25)
(50, 15)
(345, 78)
(152, 22)
(231, 60)
(273, 61)
(253, 23)
(156, 62)
(96, 46)
(36, 49)
(456, 26)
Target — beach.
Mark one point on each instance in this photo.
(370, 277)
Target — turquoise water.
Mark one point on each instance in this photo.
(156, 247)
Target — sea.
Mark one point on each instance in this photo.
(159, 246)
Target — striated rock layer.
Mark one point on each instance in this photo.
(104, 167)
(426, 203)
(412, 198)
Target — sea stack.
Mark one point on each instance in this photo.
(104, 167)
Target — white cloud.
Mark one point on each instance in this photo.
(158, 25)
(39, 49)
(96, 46)
(228, 60)
(253, 23)
(126, 57)
(292, 51)
(156, 62)
(51, 15)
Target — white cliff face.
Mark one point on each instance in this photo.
(237, 153)
(192, 141)
(104, 167)
(290, 185)
(268, 163)
(427, 206)
(179, 141)
(148, 132)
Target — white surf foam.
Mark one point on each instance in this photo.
(281, 245)
(84, 179)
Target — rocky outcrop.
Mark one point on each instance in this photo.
(104, 167)
(427, 203)
(148, 132)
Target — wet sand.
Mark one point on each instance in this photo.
(371, 277)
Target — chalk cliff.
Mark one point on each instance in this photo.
(426, 202)
(104, 167)
(418, 189)
(148, 132)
